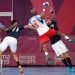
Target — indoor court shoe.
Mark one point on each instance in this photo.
(48, 61)
(71, 69)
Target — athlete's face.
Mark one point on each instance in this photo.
(48, 21)
(15, 23)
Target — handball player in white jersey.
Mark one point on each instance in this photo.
(44, 32)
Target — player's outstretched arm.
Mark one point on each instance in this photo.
(65, 36)
(7, 28)
(42, 15)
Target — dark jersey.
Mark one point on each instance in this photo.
(54, 38)
(15, 32)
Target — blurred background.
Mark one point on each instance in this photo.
(28, 44)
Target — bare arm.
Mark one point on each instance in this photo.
(43, 14)
(7, 28)
(29, 27)
(64, 35)
(61, 34)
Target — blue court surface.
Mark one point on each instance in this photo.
(36, 71)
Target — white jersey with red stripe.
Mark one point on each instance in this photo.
(39, 24)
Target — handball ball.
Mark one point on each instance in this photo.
(46, 4)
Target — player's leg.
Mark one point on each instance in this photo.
(68, 59)
(3, 47)
(66, 55)
(60, 49)
(18, 63)
(13, 47)
(1, 62)
(1, 53)
(63, 60)
(44, 47)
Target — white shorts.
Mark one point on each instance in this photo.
(59, 48)
(9, 41)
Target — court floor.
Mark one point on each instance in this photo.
(36, 71)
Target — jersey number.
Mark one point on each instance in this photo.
(15, 29)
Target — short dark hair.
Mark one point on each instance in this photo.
(13, 21)
(33, 12)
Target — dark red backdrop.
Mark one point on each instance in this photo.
(28, 44)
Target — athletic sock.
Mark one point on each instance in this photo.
(65, 62)
(46, 53)
(69, 62)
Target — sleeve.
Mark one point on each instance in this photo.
(21, 26)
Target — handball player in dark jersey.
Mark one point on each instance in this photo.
(10, 40)
(57, 44)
